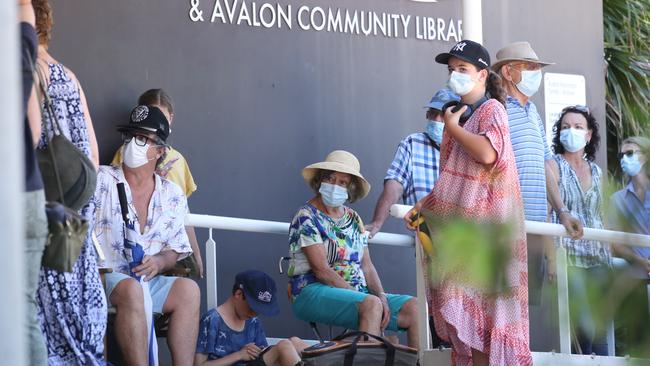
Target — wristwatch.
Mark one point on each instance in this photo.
(563, 210)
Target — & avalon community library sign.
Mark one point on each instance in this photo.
(367, 23)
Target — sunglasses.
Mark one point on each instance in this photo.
(628, 153)
(577, 107)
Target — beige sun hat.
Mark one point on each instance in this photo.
(517, 51)
(339, 161)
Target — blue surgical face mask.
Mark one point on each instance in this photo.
(530, 81)
(573, 140)
(435, 130)
(460, 84)
(631, 165)
(333, 195)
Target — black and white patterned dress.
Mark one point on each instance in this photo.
(72, 306)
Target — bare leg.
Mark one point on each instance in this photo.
(130, 321)
(370, 312)
(407, 318)
(479, 358)
(284, 354)
(182, 305)
(298, 344)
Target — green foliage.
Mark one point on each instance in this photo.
(473, 253)
(627, 58)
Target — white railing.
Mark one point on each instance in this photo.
(256, 226)
(427, 355)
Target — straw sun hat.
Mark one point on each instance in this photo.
(339, 161)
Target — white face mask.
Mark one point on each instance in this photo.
(573, 140)
(530, 82)
(460, 84)
(135, 156)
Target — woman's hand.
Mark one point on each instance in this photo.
(572, 225)
(411, 216)
(164, 169)
(452, 119)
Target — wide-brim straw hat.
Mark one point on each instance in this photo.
(339, 161)
(517, 51)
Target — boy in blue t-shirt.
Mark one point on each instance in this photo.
(231, 334)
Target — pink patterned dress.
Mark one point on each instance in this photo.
(496, 324)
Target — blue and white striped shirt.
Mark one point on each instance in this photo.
(415, 167)
(531, 150)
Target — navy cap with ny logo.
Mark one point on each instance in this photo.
(470, 51)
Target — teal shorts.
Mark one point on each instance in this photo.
(159, 288)
(336, 306)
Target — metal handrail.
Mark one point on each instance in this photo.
(282, 228)
(545, 228)
(277, 227)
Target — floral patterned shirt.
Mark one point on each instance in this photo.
(344, 241)
(165, 226)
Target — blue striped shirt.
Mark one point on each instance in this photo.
(415, 167)
(531, 150)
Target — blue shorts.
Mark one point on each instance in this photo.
(336, 306)
(159, 288)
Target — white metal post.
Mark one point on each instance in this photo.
(472, 20)
(611, 339)
(13, 339)
(211, 271)
(423, 309)
(563, 300)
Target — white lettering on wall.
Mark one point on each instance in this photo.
(303, 26)
(314, 19)
(335, 20)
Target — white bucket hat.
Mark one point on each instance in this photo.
(517, 51)
(339, 161)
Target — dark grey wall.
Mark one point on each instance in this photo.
(255, 105)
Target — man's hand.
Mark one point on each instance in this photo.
(385, 317)
(572, 225)
(373, 228)
(150, 267)
(249, 352)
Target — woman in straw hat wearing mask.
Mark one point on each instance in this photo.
(332, 278)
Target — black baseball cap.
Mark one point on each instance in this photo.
(146, 118)
(470, 51)
(260, 291)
